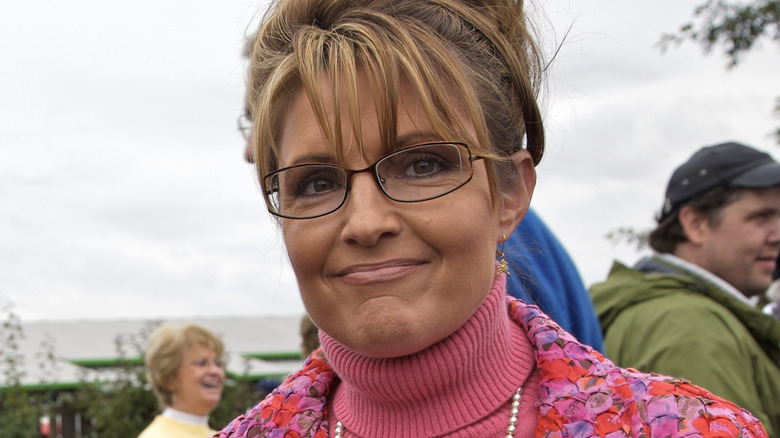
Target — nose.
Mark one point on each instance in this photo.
(370, 214)
(249, 155)
(215, 368)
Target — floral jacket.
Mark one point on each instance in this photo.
(581, 394)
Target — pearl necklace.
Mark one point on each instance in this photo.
(510, 429)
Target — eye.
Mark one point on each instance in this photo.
(317, 186)
(423, 166)
(317, 182)
(309, 181)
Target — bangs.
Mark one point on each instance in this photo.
(388, 54)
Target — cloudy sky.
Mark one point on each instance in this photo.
(123, 193)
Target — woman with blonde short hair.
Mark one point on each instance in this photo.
(185, 368)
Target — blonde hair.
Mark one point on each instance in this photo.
(479, 54)
(165, 353)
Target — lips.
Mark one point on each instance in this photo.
(378, 272)
(211, 385)
(766, 262)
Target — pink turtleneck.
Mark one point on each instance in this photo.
(460, 387)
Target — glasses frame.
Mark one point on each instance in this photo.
(372, 169)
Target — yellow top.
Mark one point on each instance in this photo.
(163, 427)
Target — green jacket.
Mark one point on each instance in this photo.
(666, 320)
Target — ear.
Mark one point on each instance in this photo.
(516, 195)
(694, 224)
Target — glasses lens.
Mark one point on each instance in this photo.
(306, 191)
(244, 126)
(424, 172)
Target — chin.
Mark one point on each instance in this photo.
(393, 341)
(391, 351)
(212, 400)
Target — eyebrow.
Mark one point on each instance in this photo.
(313, 158)
(764, 211)
(415, 138)
(400, 143)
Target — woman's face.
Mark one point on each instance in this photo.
(382, 277)
(198, 384)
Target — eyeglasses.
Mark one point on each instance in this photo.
(244, 125)
(203, 363)
(413, 174)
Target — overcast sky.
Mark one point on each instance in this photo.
(123, 193)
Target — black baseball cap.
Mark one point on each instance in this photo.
(727, 164)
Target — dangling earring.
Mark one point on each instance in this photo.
(503, 268)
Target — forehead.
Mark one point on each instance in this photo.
(343, 126)
(747, 201)
(198, 350)
(347, 133)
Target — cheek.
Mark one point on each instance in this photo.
(179, 382)
(468, 246)
(301, 244)
(308, 246)
(471, 239)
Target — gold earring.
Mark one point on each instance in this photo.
(503, 268)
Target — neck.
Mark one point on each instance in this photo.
(465, 379)
(184, 417)
(702, 273)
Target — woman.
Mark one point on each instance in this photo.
(184, 365)
(388, 138)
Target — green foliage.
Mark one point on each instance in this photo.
(629, 236)
(119, 404)
(734, 26)
(115, 399)
(19, 411)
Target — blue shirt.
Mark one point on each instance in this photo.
(542, 273)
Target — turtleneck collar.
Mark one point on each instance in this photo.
(185, 417)
(463, 380)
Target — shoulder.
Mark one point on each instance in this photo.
(582, 393)
(669, 311)
(621, 283)
(298, 405)
(681, 305)
(634, 298)
(160, 427)
(621, 276)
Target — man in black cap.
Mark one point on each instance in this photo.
(689, 310)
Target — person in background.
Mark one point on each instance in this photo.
(389, 139)
(310, 339)
(185, 368)
(686, 311)
(541, 272)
